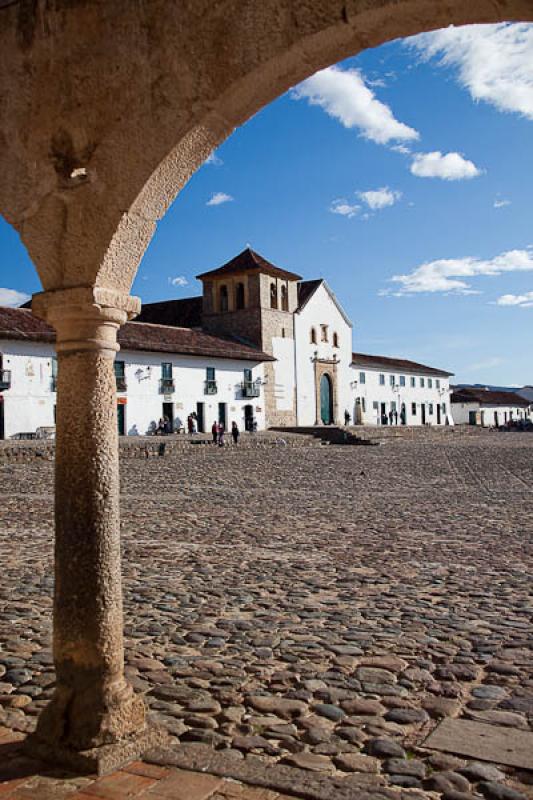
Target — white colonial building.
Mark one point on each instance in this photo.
(260, 347)
(160, 372)
(393, 391)
(488, 408)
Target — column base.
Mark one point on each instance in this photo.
(98, 760)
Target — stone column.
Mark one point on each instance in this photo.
(94, 720)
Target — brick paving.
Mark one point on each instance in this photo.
(303, 611)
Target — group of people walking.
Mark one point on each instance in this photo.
(218, 431)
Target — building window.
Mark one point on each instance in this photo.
(166, 383)
(283, 333)
(239, 296)
(120, 375)
(284, 298)
(273, 295)
(413, 383)
(223, 298)
(392, 380)
(375, 405)
(402, 380)
(430, 383)
(413, 409)
(335, 340)
(210, 381)
(422, 383)
(362, 377)
(381, 379)
(437, 383)
(430, 409)
(313, 336)
(323, 333)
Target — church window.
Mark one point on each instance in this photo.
(392, 380)
(284, 299)
(335, 340)
(402, 380)
(313, 336)
(430, 383)
(223, 298)
(239, 296)
(381, 379)
(273, 295)
(362, 377)
(413, 383)
(323, 333)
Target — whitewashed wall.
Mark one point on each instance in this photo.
(321, 310)
(145, 403)
(29, 403)
(485, 414)
(371, 391)
(283, 350)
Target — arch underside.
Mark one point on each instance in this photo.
(108, 109)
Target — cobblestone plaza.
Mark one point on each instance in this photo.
(319, 607)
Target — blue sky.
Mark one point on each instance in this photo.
(403, 177)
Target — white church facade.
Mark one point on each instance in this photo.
(260, 347)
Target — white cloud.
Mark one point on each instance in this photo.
(501, 203)
(344, 209)
(521, 300)
(12, 297)
(380, 198)
(344, 95)
(213, 160)
(493, 62)
(179, 280)
(217, 198)
(448, 274)
(448, 166)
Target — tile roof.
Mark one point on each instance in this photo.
(487, 397)
(185, 341)
(397, 364)
(19, 323)
(249, 260)
(184, 313)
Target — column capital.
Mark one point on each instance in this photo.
(86, 317)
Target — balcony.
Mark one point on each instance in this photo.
(210, 387)
(250, 389)
(167, 386)
(5, 379)
(122, 386)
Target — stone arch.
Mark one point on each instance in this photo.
(117, 124)
(107, 110)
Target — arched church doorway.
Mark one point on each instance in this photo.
(326, 400)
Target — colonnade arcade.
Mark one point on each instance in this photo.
(106, 110)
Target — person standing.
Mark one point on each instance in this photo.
(346, 417)
(220, 432)
(235, 432)
(214, 432)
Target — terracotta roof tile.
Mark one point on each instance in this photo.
(249, 260)
(397, 364)
(489, 397)
(19, 323)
